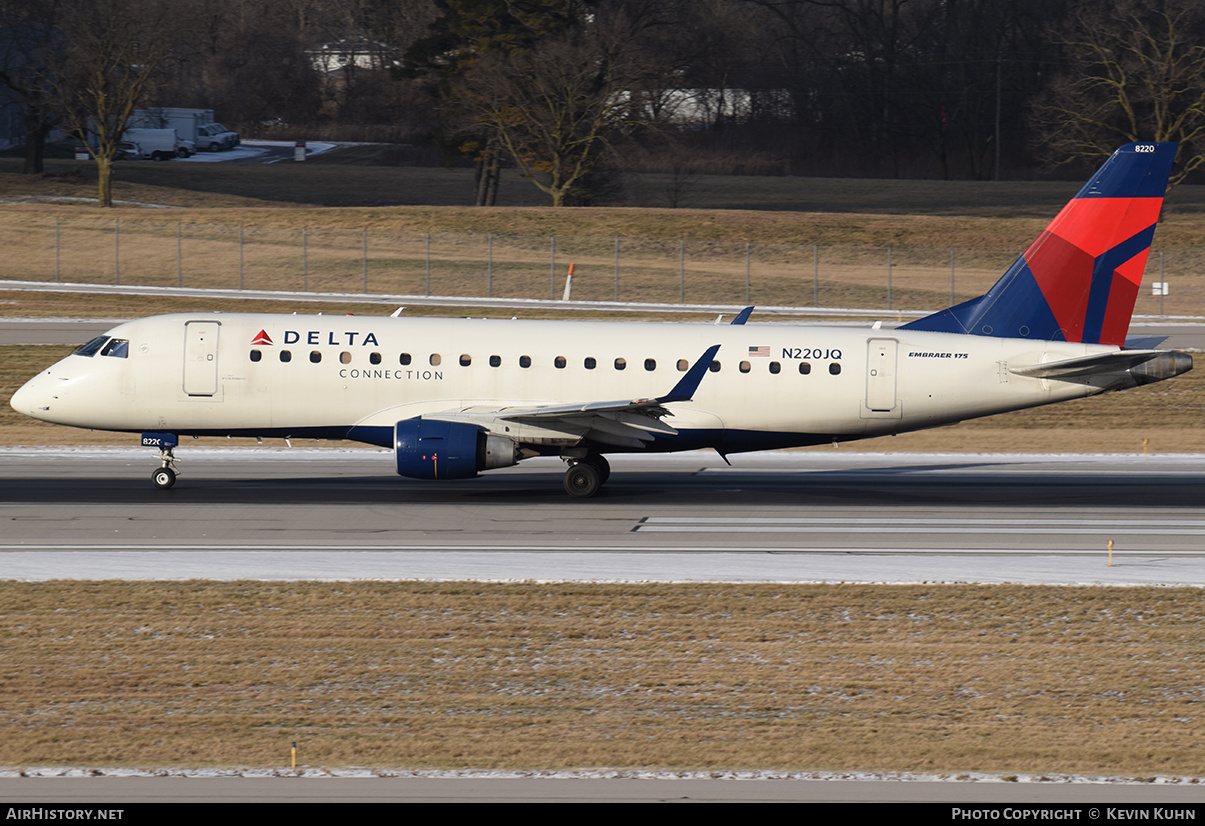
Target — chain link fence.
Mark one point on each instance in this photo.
(147, 252)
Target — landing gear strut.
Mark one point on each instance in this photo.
(586, 475)
(165, 476)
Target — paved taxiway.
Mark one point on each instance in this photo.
(320, 513)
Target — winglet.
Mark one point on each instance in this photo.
(685, 389)
(743, 316)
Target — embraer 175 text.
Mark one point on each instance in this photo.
(454, 397)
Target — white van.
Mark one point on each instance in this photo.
(159, 144)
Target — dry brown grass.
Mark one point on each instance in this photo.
(294, 248)
(526, 676)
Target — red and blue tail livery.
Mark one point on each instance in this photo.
(1078, 281)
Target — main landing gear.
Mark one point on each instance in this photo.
(586, 475)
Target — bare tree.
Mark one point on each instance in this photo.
(30, 41)
(112, 53)
(556, 106)
(1139, 75)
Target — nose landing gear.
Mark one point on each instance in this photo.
(163, 477)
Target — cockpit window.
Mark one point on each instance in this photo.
(118, 348)
(92, 347)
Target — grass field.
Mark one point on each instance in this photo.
(953, 678)
(888, 244)
(524, 676)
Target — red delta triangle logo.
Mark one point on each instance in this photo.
(262, 337)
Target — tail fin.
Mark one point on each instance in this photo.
(1078, 281)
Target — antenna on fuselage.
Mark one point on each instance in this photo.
(396, 312)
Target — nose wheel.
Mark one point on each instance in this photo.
(165, 476)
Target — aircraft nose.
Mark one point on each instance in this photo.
(32, 398)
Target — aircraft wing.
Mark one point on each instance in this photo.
(624, 422)
(683, 391)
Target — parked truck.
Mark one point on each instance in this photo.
(160, 144)
(196, 125)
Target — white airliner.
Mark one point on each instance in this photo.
(454, 397)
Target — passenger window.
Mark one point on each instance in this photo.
(525, 361)
(345, 357)
(374, 358)
(683, 365)
(404, 359)
(804, 368)
(117, 348)
(256, 355)
(715, 367)
(745, 367)
(435, 359)
(466, 360)
(775, 368)
(650, 364)
(590, 363)
(835, 368)
(621, 364)
(286, 356)
(495, 361)
(559, 362)
(315, 356)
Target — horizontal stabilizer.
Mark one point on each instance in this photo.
(1144, 342)
(1145, 365)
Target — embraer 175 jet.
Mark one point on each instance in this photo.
(454, 397)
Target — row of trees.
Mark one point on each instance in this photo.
(568, 91)
(565, 89)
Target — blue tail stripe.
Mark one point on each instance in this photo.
(1102, 279)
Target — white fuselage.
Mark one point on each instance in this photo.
(776, 386)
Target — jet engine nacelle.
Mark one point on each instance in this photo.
(434, 449)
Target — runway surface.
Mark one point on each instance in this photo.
(322, 513)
